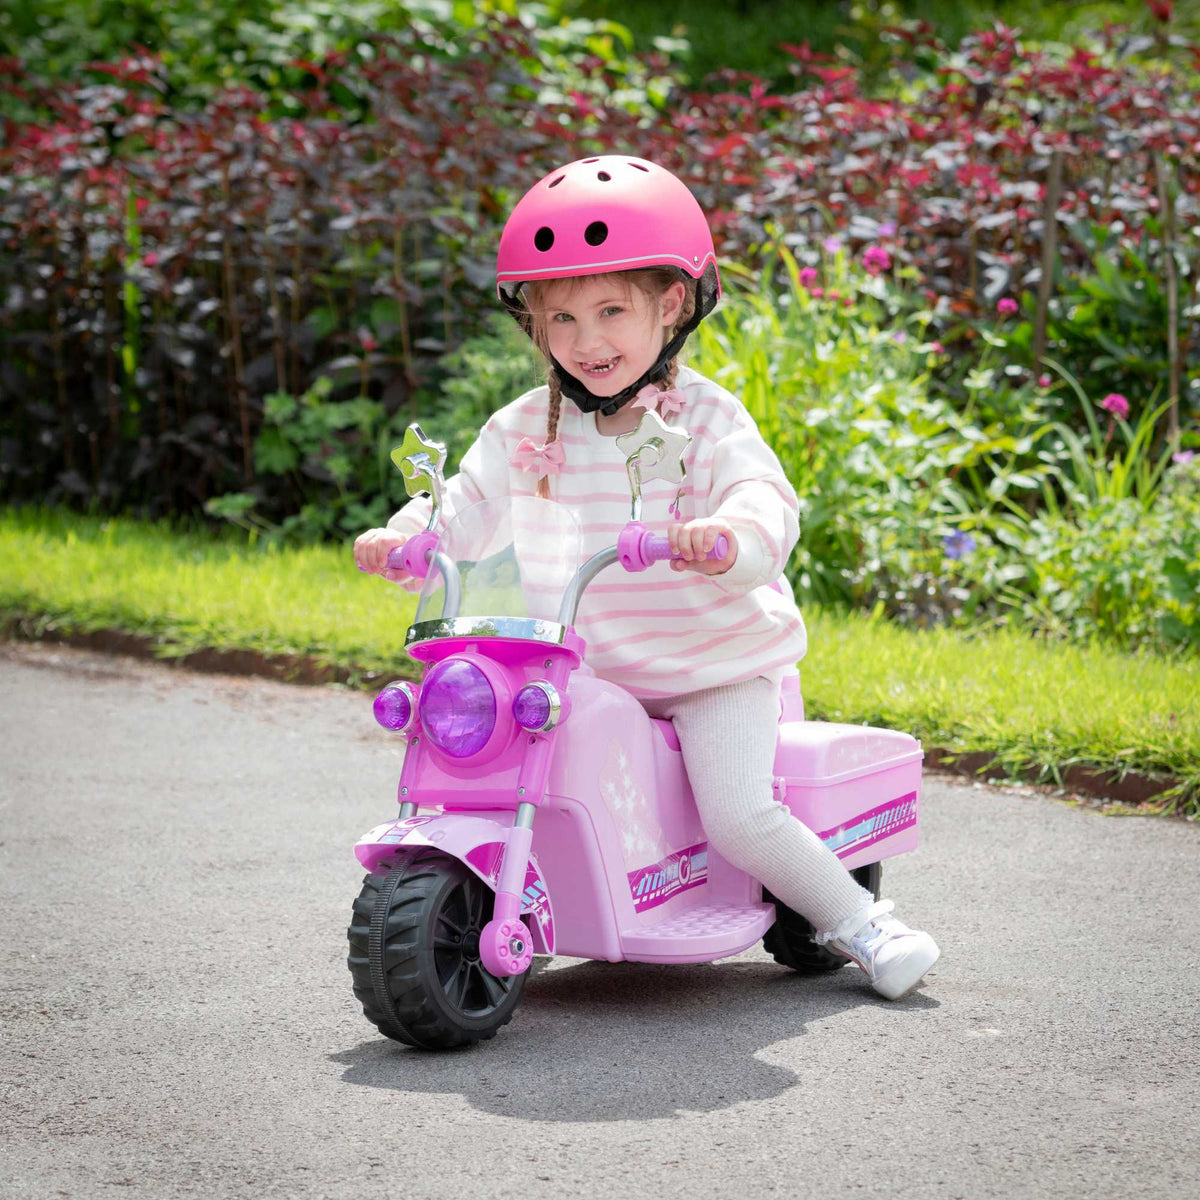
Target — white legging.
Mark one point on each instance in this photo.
(728, 736)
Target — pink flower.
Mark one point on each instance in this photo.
(1044, 381)
(887, 229)
(818, 293)
(150, 260)
(366, 339)
(1007, 307)
(1116, 404)
(670, 400)
(808, 276)
(832, 244)
(541, 460)
(937, 348)
(876, 259)
(1182, 457)
(900, 337)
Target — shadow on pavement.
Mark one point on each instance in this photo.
(628, 1041)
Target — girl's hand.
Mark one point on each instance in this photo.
(694, 539)
(371, 550)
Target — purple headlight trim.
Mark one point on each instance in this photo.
(393, 706)
(531, 708)
(458, 708)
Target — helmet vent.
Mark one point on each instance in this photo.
(603, 176)
(595, 233)
(544, 238)
(591, 160)
(556, 182)
(639, 167)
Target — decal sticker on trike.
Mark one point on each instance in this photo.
(872, 826)
(395, 832)
(535, 900)
(679, 871)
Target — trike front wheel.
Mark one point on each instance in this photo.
(414, 953)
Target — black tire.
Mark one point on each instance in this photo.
(790, 940)
(414, 953)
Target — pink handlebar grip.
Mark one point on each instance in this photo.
(656, 547)
(637, 547)
(414, 556)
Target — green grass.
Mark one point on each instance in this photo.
(1031, 704)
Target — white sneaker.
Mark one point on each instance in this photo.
(893, 956)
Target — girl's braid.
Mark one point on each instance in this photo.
(552, 382)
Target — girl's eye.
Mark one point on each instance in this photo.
(561, 317)
(612, 308)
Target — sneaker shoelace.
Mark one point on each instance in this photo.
(863, 930)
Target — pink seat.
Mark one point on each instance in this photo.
(667, 729)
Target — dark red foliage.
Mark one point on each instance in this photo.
(163, 272)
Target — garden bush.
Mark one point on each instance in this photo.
(178, 282)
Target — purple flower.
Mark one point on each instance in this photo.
(1007, 307)
(958, 544)
(1116, 404)
(808, 276)
(1182, 457)
(832, 244)
(887, 229)
(876, 259)
(900, 337)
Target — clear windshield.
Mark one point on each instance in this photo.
(515, 556)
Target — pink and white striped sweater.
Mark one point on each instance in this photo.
(659, 633)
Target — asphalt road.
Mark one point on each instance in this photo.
(175, 882)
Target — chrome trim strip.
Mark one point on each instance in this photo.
(526, 629)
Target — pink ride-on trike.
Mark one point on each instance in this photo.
(508, 724)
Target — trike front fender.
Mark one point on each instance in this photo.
(478, 843)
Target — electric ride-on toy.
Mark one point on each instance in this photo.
(508, 723)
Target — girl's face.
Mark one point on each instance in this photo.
(606, 332)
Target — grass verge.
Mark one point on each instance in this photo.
(1029, 706)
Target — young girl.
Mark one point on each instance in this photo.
(608, 264)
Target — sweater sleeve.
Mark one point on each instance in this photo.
(751, 492)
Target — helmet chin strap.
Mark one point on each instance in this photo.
(589, 402)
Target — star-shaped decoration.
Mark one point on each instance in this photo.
(654, 449)
(420, 460)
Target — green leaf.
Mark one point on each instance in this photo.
(1184, 587)
(273, 453)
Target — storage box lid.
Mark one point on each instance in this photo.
(823, 752)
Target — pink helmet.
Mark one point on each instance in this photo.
(610, 213)
(603, 214)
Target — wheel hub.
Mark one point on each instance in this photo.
(470, 945)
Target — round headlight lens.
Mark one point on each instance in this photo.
(394, 706)
(458, 708)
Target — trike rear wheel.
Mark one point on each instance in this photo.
(414, 953)
(790, 940)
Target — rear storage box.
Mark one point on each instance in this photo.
(855, 786)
